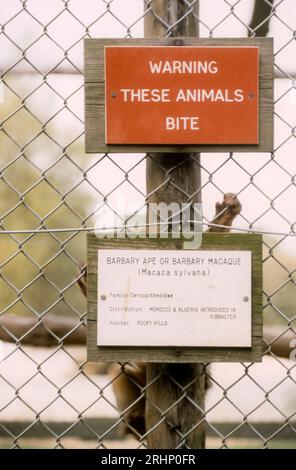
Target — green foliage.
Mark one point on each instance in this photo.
(36, 191)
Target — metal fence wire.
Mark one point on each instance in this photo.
(49, 395)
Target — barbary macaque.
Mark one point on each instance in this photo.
(130, 379)
(226, 212)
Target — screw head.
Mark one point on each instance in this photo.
(103, 297)
(246, 299)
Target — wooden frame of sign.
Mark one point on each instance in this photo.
(95, 95)
(210, 242)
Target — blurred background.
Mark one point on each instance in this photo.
(49, 396)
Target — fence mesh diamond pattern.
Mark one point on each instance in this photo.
(50, 396)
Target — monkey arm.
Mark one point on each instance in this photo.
(226, 212)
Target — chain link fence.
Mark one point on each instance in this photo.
(50, 396)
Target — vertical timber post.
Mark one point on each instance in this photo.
(175, 399)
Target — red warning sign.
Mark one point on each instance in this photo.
(182, 95)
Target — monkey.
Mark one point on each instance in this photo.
(129, 379)
(226, 212)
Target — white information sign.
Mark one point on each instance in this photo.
(174, 298)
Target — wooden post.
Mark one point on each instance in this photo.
(171, 399)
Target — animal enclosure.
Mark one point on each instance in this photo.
(52, 194)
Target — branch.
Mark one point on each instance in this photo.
(49, 330)
(278, 343)
(262, 13)
(53, 329)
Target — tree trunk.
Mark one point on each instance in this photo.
(260, 18)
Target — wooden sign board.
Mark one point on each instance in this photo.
(185, 94)
(150, 300)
